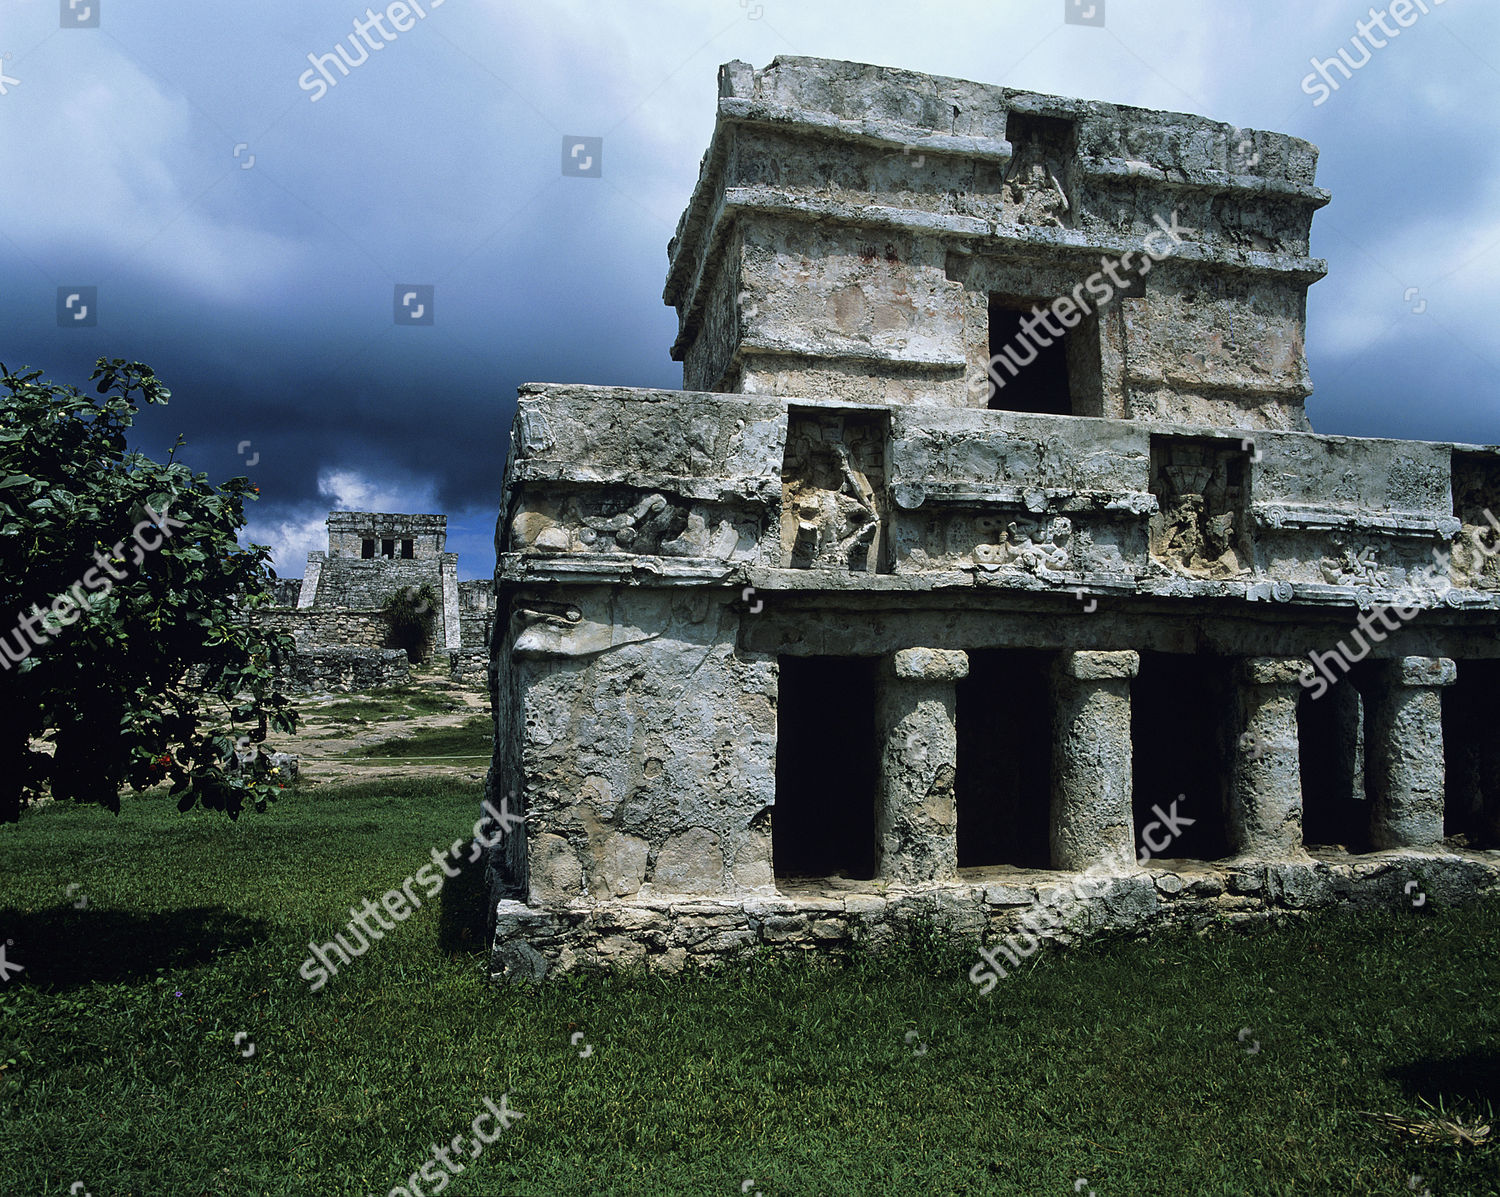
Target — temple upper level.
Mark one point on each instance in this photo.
(874, 235)
(370, 534)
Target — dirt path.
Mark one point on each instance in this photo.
(333, 729)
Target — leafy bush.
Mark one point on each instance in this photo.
(126, 655)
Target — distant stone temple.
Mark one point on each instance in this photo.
(343, 639)
(990, 549)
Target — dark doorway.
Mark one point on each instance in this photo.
(1331, 746)
(1179, 728)
(1028, 366)
(406, 550)
(367, 549)
(1471, 750)
(1004, 781)
(826, 768)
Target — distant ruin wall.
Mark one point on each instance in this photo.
(346, 669)
(316, 627)
(350, 582)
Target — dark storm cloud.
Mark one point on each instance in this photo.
(246, 240)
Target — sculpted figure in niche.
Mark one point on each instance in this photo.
(1199, 529)
(830, 512)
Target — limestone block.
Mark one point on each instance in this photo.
(752, 868)
(865, 906)
(930, 664)
(622, 864)
(556, 871)
(1300, 886)
(1100, 666)
(781, 929)
(1426, 671)
(1008, 895)
(690, 862)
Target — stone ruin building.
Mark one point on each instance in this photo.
(848, 636)
(343, 639)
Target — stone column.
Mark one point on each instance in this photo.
(1091, 760)
(1405, 752)
(1265, 783)
(916, 822)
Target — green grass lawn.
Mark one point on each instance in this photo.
(474, 737)
(391, 703)
(1121, 1064)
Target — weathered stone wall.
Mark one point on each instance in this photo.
(348, 530)
(980, 498)
(850, 222)
(638, 684)
(327, 627)
(346, 669)
(647, 747)
(351, 582)
(663, 933)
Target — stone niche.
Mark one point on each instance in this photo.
(1201, 528)
(833, 502)
(1476, 503)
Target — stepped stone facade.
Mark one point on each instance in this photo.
(343, 641)
(976, 561)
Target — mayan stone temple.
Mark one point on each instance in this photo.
(989, 547)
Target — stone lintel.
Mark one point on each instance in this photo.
(1425, 671)
(1272, 671)
(930, 664)
(1090, 665)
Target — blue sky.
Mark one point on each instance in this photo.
(246, 239)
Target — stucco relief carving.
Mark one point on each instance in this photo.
(1353, 569)
(1041, 549)
(651, 525)
(832, 486)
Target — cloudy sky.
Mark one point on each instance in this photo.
(246, 226)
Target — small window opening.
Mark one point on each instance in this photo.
(1028, 365)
